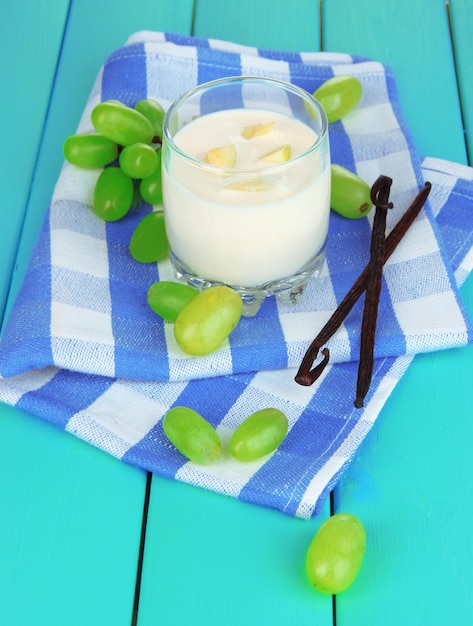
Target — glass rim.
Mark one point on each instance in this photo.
(276, 82)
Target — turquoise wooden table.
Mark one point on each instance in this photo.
(85, 539)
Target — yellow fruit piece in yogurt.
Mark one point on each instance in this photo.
(279, 155)
(223, 156)
(254, 130)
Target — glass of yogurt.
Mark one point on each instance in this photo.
(246, 187)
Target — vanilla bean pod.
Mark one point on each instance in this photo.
(380, 198)
(307, 376)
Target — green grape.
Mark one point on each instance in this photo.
(138, 160)
(121, 123)
(149, 243)
(350, 195)
(151, 188)
(167, 298)
(90, 150)
(336, 553)
(261, 433)
(192, 435)
(338, 96)
(113, 194)
(208, 320)
(154, 112)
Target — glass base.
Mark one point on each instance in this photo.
(287, 290)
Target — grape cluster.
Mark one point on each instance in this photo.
(126, 146)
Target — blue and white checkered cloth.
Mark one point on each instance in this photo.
(83, 350)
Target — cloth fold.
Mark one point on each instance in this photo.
(82, 349)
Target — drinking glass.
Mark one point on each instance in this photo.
(246, 187)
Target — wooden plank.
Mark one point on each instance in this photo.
(405, 481)
(271, 25)
(28, 57)
(70, 517)
(70, 521)
(462, 28)
(213, 560)
(407, 36)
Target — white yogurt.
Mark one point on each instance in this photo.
(245, 238)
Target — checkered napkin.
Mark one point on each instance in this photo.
(82, 349)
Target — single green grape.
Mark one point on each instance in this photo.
(208, 319)
(338, 96)
(121, 123)
(138, 160)
(261, 433)
(151, 188)
(149, 242)
(90, 150)
(192, 435)
(350, 195)
(113, 194)
(336, 553)
(154, 112)
(167, 298)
